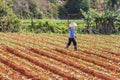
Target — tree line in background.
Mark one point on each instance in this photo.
(103, 16)
(55, 9)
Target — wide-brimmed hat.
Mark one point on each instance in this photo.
(73, 24)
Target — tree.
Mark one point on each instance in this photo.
(105, 22)
(111, 4)
(74, 6)
(8, 16)
(54, 1)
(1, 8)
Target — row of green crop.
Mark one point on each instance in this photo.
(49, 26)
(57, 26)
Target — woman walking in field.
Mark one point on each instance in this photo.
(72, 35)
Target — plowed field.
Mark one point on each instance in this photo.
(44, 57)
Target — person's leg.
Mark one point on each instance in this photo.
(74, 43)
(69, 42)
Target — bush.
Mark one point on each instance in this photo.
(13, 24)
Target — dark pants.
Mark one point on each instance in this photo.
(74, 43)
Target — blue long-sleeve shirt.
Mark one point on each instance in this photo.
(71, 32)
